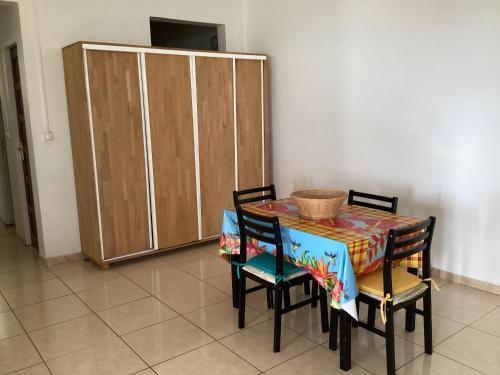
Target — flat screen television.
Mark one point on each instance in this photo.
(184, 34)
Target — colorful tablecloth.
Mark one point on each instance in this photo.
(334, 251)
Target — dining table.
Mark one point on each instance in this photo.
(334, 250)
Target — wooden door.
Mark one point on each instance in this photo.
(214, 83)
(249, 123)
(23, 145)
(171, 122)
(119, 152)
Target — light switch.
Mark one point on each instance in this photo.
(48, 136)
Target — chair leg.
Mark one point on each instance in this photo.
(241, 301)
(410, 310)
(345, 341)
(428, 321)
(269, 293)
(323, 302)
(277, 320)
(307, 288)
(334, 327)
(314, 296)
(234, 284)
(286, 296)
(372, 309)
(389, 341)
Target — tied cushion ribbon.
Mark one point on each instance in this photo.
(387, 298)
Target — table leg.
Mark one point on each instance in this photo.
(234, 284)
(345, 341)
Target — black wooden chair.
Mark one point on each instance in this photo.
(368, 201)
(393, 288)
(272, 271)
(248, 196)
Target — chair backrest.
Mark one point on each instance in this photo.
(251, 195)
(261, 228)
(392, 208)
(405, 242)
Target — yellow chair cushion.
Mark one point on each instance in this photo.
(402, 281)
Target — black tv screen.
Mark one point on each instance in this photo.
(181, 34)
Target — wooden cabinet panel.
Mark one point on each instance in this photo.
(82, 151)
(119, 149)
(249, 123)
(216, 139)
(171, 122)
(267, 132)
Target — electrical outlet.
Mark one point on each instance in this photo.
(48, 136)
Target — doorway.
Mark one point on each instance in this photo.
(23, 144)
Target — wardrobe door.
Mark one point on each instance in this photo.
(214, 83)
(249, 123)
(171, 123)
(118, 135)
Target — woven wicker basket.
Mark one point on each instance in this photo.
(319, 204)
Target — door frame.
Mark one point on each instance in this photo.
(12, 133)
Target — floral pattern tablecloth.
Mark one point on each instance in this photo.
(334, 251)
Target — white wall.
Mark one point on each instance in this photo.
(49, 25)
(394, 97)
(9, 34)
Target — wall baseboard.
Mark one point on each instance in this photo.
(63, 259)
(468, 281)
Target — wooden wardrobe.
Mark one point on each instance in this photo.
(160, 139)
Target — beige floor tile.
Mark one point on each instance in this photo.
(473, 348)
(148, 371)
(141, 264)
(489, 323)
(86, 280)
(211, 248)
(460, 307)
(71, 268)
(110, 357)
(435, 364)
(442, 328)
(166, 340)
(39, 369)
(223, 283)
(221, 319)
(70, 336)
(30, 294)
(112, 294)
(307, 322)
(181, 256)
(255, 345)
(51, 312)
(206, 268)
(25, 276)
(212, 359)
(258, 301)
(477, 293)
(4, 306)
(17, 353)
(161, 280)
(192, 296)
(9, 326)
(368, 351)
(319, 361)
(136, 315)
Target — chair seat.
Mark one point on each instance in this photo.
(264, 267)
(405, 285)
